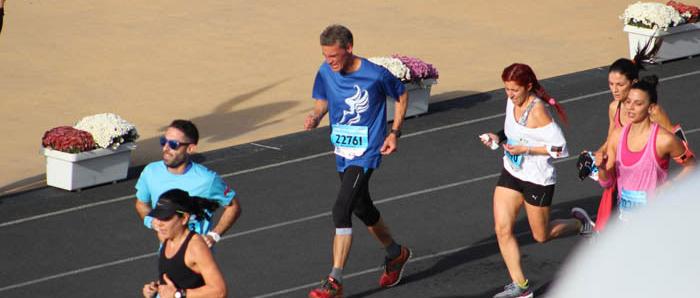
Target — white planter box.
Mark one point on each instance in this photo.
(418, 99)
(678, 42)
(75, 171)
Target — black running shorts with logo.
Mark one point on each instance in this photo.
(535, 194)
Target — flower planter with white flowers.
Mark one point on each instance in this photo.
(71, 171)
(674, 25)
(96, 151)
(416, 75)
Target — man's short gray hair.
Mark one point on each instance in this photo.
(336, 34)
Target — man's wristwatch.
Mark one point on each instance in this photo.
(180, 293)
(215, 236)
(396, 132)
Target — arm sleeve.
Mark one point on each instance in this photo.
(391, 85)
(556, 143)
(319, 90)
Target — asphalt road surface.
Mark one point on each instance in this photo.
(435, 193)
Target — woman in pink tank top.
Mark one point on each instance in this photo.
(621, 75)
(638, 154)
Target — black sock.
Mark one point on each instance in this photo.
(337, 274)
(393, 251)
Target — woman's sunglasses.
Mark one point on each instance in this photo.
(173, 144)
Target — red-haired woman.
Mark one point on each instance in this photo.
(532, 140)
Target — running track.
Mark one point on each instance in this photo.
(435, 193)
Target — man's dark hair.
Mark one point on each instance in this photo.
(336, 34)
(188, 128)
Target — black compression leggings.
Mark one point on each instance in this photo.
(353, 197)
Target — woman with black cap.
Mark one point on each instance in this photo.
(186, 265)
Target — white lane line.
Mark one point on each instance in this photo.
(377, 269)
(269, 227)
(21, 220)
(274, 165)
(683, 75)
(693, 130)
(282, 224)
(382, 201)
(366, 271)
(320, 155)
(266, 146)
(73, 272)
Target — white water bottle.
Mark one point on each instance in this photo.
(486, 138)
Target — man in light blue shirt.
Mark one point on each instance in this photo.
(176, 170)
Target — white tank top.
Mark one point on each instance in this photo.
(536, 169)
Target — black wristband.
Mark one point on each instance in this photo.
(396, 132)
(501, 136)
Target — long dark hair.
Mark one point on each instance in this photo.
(523, 75)
(197, 206)
(631, 68)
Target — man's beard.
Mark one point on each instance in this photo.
(174, 163)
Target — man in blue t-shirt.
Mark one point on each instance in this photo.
(353, 91)
(176, 170)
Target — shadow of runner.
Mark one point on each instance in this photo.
(224, 122)
(221, 124)
(488, 247)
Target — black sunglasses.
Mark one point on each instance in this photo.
(173, 144)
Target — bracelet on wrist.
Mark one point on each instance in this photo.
(215, 236)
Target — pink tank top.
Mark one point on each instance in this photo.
(638, 176)
(616, 118)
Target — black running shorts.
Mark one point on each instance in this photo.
(535, 194)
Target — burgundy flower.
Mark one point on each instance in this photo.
(68, 139)
(694, 11)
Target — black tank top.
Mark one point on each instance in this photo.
(178, 272)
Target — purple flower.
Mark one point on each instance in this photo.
(418, 68)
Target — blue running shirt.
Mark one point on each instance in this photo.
(197, 181)
(357, 111)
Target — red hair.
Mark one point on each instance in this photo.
(523, 75)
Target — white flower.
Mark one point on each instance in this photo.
(652, 15)
(108, 130)
(394, 65)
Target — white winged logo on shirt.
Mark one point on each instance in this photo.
(358, 103)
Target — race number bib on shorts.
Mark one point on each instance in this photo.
(631, 200)
(349, 141)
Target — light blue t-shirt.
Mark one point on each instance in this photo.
(197, 181)
(357, 111)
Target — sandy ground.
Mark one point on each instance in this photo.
(243, 70)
